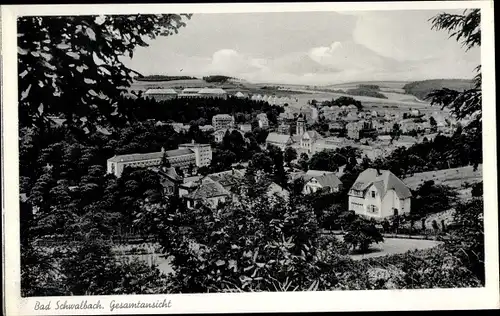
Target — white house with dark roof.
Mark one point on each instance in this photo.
(379, 194)
(319, 179)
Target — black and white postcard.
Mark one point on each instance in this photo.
(199, 158)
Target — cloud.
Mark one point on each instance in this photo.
(230, 62)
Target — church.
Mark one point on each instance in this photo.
(302, 141)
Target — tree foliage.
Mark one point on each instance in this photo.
(72, 66)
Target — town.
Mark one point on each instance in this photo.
(311, 168)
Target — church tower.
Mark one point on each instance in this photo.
(301, 126)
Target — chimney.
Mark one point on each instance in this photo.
(378, 172)
(192, 141)
(162, 149)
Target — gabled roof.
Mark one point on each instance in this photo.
(278, 138)
(229, 177)
(383, 180)
(208, 189)
(313, 135)
(160, 91)
(325, 178)
(222, 116)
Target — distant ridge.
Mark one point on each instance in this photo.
(421, 89)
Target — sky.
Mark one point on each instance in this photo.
(313, 48)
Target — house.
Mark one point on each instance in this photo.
(379, 194)
(221, 121)
(160, 94)
(245, 128)
(228, 179)
(220, 133)
(169, 180)
(405, 141)
(336, 126)
(263, 121)
(280, 140)
(209, 193)
(414, 112)
(284, 128)
(384, 139)
(317, 179)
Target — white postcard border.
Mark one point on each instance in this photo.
(438, 299)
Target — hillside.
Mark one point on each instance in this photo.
(421, 89)
(163, 78)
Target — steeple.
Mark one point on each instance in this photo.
(301, 126)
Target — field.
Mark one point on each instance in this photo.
(454, 177)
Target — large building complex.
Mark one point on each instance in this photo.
(161, 94)
(187, 156)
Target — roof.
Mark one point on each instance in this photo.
(278, 138)
(406, 138)
(192, 90)
(239, 94)
(160, 91)
(225, 178)
(313, 135)
(212, 91)
(325, 178)
(208, 189)
(149, 156)
(225, 116)
(383, 180)
(384, 137)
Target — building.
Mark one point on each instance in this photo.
(336, 126)
(221, 121)
(263, 120)
(357, 130)
(284, 128)
(379, 194)
(240, 95)
(219, 134)
(170, 180)
(212, 93)
(189, 93)
(245, 128)
(317, 179)
(308, 139)
(385, 139)
(184, 158)
(280, 140)
(229, 179)
(209, 193)
(180, 158)
(203, 153)
(161, 94)
(405, 141)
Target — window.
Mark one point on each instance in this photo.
(372, 209)
(373, 194)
